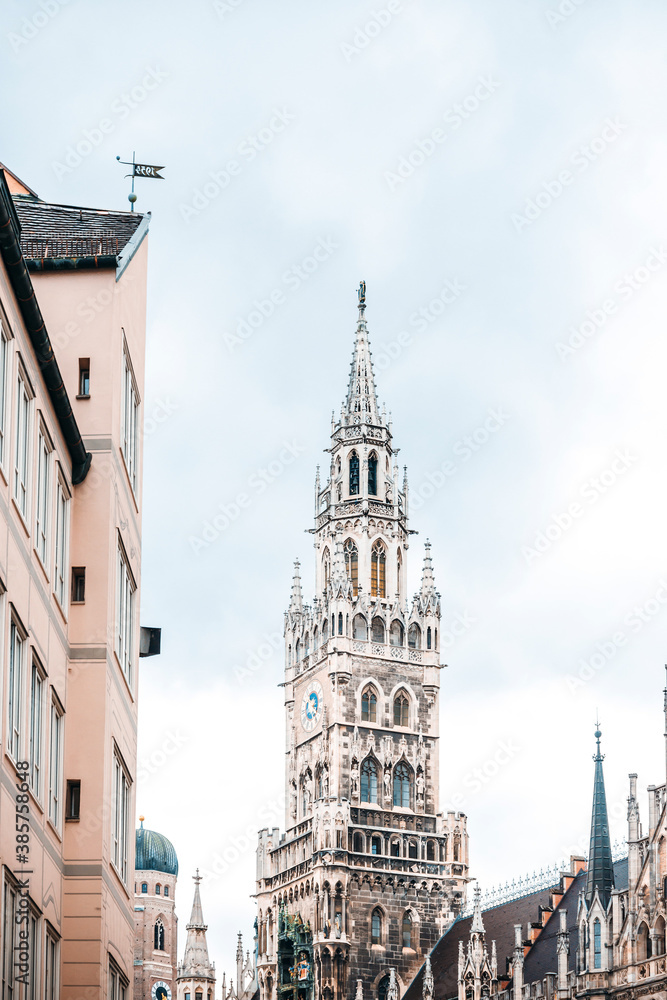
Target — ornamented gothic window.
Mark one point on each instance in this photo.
(413, 851)
(597, 945)
(325, 630)
(340, 623)
(660, 936)
(306, 645)
(643, 943)
(414, 636)
(369, 781)
(376, 845)
(430, 851)
(158, 888)
(378, 571)
(166, 890)
(158, 936)
(402, 785)
(376, 927)
(326, 568)
(378, 630)
(369, 705)
(352, 565)
(373, 474)
(399, 572)
(407, 930)
(396, 634)
(428, 637)
(383, 987)
(401, 709)
(354, 473)
(359, 843)
(359, 628)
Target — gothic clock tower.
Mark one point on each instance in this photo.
(368, 872)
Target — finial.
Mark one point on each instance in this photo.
(598, 756)
(141, 820)
(196, 878)
(361, 293)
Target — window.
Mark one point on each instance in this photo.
(597, 945)
(84, 378)
(9, 928)
(430, 851)
(22, 442)
(158, 936)
(414, 636)
(369, 703)
(378, 575)
(55, 764)
(62, 538)
(166, 890)
(383, 988)
(4, 359)
(78, 584)
(43, 497)
(36, 693)
(15, 684)
(117, 982)
(359, 843)
(402, 785)
(376, 927)
(340, 623)
(359, 628)
(412, 849)
(407, 929)
(395, 849)
(125, 624)
(144, 887)
(129, 421)
(51, 989)
(352, 565)
(396, 634)
(326, 568)
(376, 845)
(199, 994)
(373, 474)
(158, 887)
(354, 473)
(369, 781)
(73, 800)
(377, 630)
(428, 637)
(401, 710)
(119, 818)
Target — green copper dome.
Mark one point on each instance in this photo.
(154, 853)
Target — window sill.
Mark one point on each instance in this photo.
(129, 480)
(41, 564)
(76, 602)
(123, 674)
(21, 516)
(83, 395)
(54, 830)
(120, 880)
(60, 607)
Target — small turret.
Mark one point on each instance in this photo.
(600, 874)
(296, 600)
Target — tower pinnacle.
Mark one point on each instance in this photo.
(428, 580)
(361, 405)
(600, 867)
(296, 600)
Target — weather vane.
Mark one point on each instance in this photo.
(140, 170)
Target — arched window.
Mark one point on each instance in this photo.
(352, 565)
(354, 473)
(643, 942)
(395, 849)
(414, 636)
(401, 709)
(396, 634)
(359, 843)
(199, 995)
(373, 474)
(376, 927)
(316, 638)
(369, 705)
(166, 890)
(297, 650)
(428, 637)
(157, 889)
(412, 849)
(399, 572)
(378, 574)
(407, 930)
(597, 945)
(430, 851)
(369, 781)
(320, 782)
(326, 568)
(359, 628)
(376, 845)
(378, 630)
(158, 936)
(660, 936)
(340, 623)
(306, 645)
(402, 785)
(383, 988)
(144, 886)
(325, 630)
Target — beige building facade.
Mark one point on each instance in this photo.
(72, 319)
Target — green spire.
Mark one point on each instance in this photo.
(600, 867)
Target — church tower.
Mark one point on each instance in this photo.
(196, 974)
(369, 872)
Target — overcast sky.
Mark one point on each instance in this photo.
(503, 161)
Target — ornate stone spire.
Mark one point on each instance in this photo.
(427, 981)
(600, 874)
(196, 962)
(339, 577)
(361, 405)
(296, 600)
(428, 580)
(477, 926)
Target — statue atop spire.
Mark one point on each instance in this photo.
(600, 875)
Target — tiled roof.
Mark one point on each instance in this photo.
(68, 233)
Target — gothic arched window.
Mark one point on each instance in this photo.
(376, 845)
(352, 565)
(166, 890)
(377, 629)
(428, 637)
(597, 945)
(306, 645)
(396, 633)
(399, 571)
(369, 781)
(407, 930)
(395, 849)
(660, 936)
(430, 851)
(144, 886)
(376, 927)
(359, 843)
(401, 709)
(369, 705)
(643, 943)
(412, 849)
(378, 571)
(325, 630)
(354, 473)
(158, 936)
(340, 623)
(402, 785)
(359, 628)
(373, 474)
(326, 568)
(383, 987)
(157, 889)
(414, 636)
(320, 782)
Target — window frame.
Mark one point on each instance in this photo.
(368, 772)
(22, 441)
(36, 728)
(5, 394)
(126, 589)
(369, 695)
(61, 542)
(129, 427)
(121, 787)
(15, 681)
(43, 495)
(51, 964)
(56, 750)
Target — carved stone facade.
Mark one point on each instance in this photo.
(368, 864)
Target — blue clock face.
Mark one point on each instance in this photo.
(311, 706)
